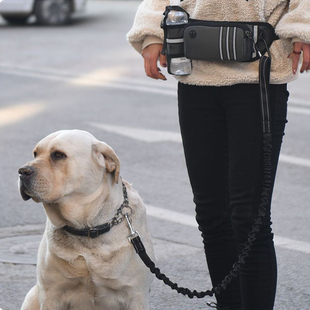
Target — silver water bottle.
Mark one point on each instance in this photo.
(178, 65)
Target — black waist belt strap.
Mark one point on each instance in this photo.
(264, 76)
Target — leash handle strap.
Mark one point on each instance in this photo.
(264, 78)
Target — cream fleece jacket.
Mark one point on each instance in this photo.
(291, 19)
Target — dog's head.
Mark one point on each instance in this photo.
(67, 162)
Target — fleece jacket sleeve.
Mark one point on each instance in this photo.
(295, 24)
(147, 23)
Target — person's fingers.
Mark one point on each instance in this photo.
(163, 60)
(151, 54)
(295, 55)
(146, 66)
(155, 71)
(306, 58)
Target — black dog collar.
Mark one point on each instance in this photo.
(94, 232)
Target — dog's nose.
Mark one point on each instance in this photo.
(25, 171)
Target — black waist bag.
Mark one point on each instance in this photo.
(232, 41)
(216, 40)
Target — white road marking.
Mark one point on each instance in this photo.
(187, 220)
(301, 101)
(145, 135)
(151, 136)
(171, 216)
(297, 110)
(13, 114)
(295, 160)
(106, 79)
(291, 244)
(113, 78)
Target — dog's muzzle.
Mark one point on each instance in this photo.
(25, 175)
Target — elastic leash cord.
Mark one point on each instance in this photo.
(134, 237)
(264, 77)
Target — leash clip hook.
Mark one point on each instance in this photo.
(133, 233)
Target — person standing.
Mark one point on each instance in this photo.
(220, 122)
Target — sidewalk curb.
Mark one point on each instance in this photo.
(8, 232)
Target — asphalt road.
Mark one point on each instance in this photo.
(86, 76)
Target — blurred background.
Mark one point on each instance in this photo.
(45, 12)
(66, 65)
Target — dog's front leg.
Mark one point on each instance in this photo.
(31, 301)
(54, 302)
(139, 302)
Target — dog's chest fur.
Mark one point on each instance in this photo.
(92, 258)
(89, 269)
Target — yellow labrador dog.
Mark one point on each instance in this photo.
(85, 261)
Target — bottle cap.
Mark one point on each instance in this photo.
(175, 2)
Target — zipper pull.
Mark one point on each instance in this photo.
(249, 34)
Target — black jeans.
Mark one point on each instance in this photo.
(222, 138)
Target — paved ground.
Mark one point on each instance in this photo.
(86, 76)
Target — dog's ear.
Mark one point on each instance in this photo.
(111, 161)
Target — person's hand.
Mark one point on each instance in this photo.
(151, 54)
(295, 55)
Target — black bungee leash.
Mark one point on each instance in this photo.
(134, 237)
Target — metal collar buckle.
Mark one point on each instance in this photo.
(93, 233)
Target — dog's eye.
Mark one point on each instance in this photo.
(58, 155)
(35, 154)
